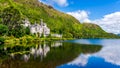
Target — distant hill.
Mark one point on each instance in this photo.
(118, 34)
(58, 22)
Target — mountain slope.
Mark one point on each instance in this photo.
(58, 22)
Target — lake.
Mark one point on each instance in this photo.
(81, 53)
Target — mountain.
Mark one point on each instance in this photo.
(118, 34)
(58, 22)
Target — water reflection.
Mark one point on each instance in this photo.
(110, 54)
(81, 60)
(57, 44)
(26, 57)
(40, 50)
(43, 55)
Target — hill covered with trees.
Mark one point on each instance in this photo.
(12, 12)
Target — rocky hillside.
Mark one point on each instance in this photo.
(58, 22)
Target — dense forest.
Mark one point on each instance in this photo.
(12, 12)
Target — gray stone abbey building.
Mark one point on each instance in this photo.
(37, 28)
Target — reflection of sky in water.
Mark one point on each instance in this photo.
(108, 56)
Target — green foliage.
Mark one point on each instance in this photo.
(16, 10)
(27, 30)
(11, 17)
(2, 40)
(42, 36)
(49, 36)
(3, 29)
(18, 32)
(68, 35)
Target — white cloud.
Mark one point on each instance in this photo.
(81, 15)
(110, 22)
(81, 60)
(109, 53)
(62, 3)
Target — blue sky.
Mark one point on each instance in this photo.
(96, 8)
(105, 13)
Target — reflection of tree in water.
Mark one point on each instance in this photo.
(40, 51)
(48, 55)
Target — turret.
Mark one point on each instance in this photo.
(41, 23)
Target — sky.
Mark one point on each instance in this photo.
(105, 13)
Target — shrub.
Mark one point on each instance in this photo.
(2, 40)
(3, 29)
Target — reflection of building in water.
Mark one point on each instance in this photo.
(56, 44)
(26, 57)
(37, 52)
(5, 48)
(12, 55)
(41, 51)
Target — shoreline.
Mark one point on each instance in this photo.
(29, 39)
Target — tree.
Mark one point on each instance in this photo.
(3, 29)
(11, 17)
(2, 40)
(42, 35)
(68, 35)
(27, 30)
(18, 32)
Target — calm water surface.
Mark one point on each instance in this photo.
(107, 57)
(82, 53)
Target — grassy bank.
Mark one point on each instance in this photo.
(28, 39)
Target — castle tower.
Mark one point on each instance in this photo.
(41, 23)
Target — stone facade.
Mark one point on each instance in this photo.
(26, 23)
(37, 28)
(57, 35)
